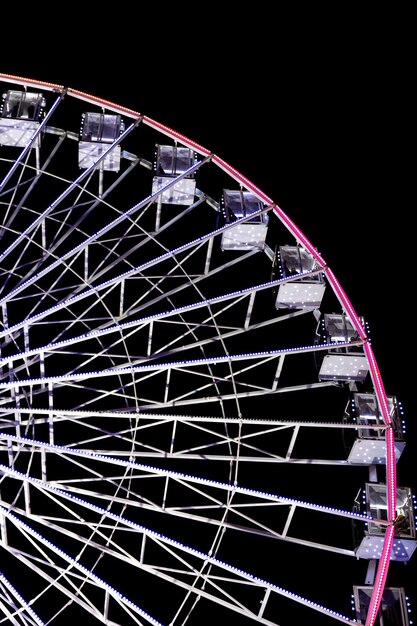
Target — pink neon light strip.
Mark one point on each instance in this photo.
(381, 577)
(31, 81)
(374, 370)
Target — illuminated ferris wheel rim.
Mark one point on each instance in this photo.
(138, 118)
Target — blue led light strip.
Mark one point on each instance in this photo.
(158, 417)
(117, 371)
(74, 563)
(64, 194)
(96, 235)
(179, 476)
(144, 320)
(129, 273)
(161, 538)
(26, 607)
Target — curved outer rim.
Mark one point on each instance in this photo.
(391, 482)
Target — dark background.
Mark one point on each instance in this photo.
(315, 110)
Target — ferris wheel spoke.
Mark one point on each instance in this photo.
(108, 517)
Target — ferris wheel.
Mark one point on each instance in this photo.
(193, 423)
